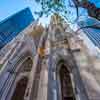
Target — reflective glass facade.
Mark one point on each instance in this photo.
(12, 26)
(92, 33)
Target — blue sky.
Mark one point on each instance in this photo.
(9, 7)
(96, 2)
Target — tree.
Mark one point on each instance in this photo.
(59, 7)
(51, 6)
(56, 6)
(95, 12)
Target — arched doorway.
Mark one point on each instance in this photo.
(20, 89)
(21, 80)
(66, 87)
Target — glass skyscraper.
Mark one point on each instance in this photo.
(13, 25)
(92, 33)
